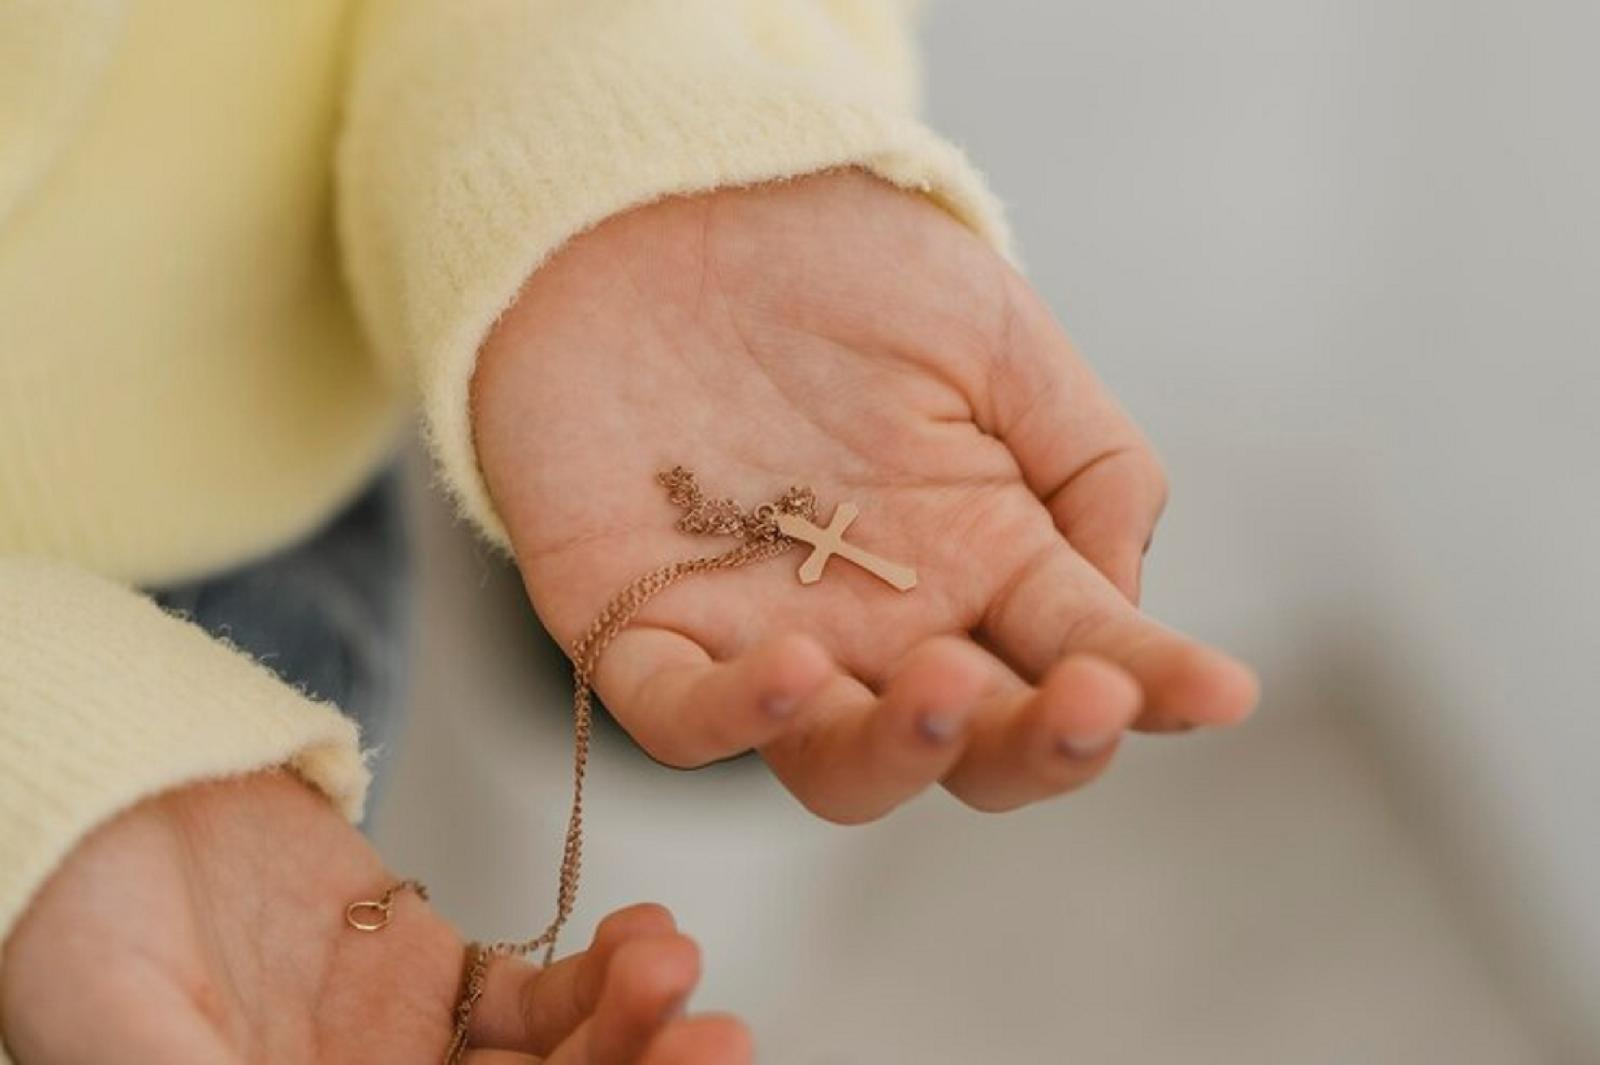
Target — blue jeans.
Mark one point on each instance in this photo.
(332, 615)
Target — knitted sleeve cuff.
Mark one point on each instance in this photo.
(106, 700)
(480, 137)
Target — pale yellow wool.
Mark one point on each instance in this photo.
(464, 166)
(105, 699)
(237, 241)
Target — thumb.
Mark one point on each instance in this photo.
(1079, 452)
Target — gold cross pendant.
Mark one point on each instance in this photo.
(825, 543)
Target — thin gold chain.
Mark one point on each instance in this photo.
(474, 977)
(760, 539)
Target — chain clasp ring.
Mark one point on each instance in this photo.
(356, 915)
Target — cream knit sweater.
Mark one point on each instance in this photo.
(237, 240)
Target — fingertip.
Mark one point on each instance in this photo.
(1108, 693)
(686, 710)
(1203, 686)
(651, 975)
(788, 670)
(932, 698)
(865, 755)
(1238, 694)
(647, 985)
(1050, 740)
(642, 922)
(642, 919)
(709, 1039)
(1089, 702)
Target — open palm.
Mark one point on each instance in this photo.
(207, 927)
(839, 333)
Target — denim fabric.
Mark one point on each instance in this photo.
(332, 615)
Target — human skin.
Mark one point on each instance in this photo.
(839, 332)
(833, 331)
(206, 927)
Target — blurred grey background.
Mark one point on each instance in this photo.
(1340, 258)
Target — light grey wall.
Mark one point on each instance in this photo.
(1340, 258)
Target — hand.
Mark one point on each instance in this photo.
(206, 927)
(838, 332)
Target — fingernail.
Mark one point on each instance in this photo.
(780, 705)
(938, 725)
(1085, 747)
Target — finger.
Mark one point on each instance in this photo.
(711, 1039)
(498, 1057)
(1078, 450)
(648, 982)
(687, 710)
(499, 1019)
(571, 987)
(525, 1007)
(705, 1040)
(1108, 510)
(575, 1049)
(1059, 605)
(858, 756)
(1031, 744)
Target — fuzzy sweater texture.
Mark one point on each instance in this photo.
(238, 242)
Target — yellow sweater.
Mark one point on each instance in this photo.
(238, 240)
